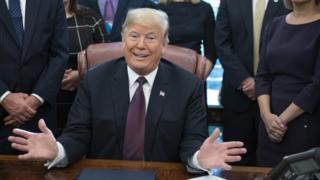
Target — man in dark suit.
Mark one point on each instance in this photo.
(238, 28)
(168, 122)
(33, 55)
(121, 8)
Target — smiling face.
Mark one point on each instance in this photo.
(143, 47)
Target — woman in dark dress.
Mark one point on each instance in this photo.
(85, 28)
(288, 83)
(191, 25)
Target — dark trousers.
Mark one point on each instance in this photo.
(243, 126)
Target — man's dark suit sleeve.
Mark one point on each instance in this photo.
(3, 88)
(49, 82)
(76, 137)
(224, 43)
(195, 127)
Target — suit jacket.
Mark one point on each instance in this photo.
(120, 16)
(175, 125)
(234, 43)
(38, 66)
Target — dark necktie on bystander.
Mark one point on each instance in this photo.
(16, 16)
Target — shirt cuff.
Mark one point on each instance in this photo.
(61, 159)
(195, 164)
(4, 95)
(38, 97)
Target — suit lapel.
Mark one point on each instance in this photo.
(6, 18)
(156, 104)
(121, 9)
(246, 11)
(120, 98)
(32, 9)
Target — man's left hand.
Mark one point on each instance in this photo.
(214, 155)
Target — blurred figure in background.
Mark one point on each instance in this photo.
(288, 83)
(34, 53)
(85, 28)
(114, 12)
(238, 27)
(191, 25)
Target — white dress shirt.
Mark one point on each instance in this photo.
(23, 10)
(133, 85)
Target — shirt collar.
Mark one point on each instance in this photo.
(133, 76)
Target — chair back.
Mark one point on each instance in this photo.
(185, 58)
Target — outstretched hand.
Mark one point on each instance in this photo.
(212, 155)
(39, 146)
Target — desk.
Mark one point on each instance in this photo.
(11, 169)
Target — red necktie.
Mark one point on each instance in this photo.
(133, 147)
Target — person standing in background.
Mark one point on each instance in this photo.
(85, 28)
(288, 83)
(191, 26)
(34, 53)
(114, 12)
(238, 27)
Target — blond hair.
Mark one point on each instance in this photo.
(148, 17)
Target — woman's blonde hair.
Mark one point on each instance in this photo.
(170, 1)
(288, 4)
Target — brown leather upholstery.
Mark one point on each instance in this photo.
(99, 53)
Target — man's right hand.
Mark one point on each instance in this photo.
(16, 106)
(39, 146)
(248, 88)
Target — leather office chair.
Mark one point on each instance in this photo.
(96, 54)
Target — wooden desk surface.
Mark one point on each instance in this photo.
(13, 169)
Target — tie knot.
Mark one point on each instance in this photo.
(141, 80)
